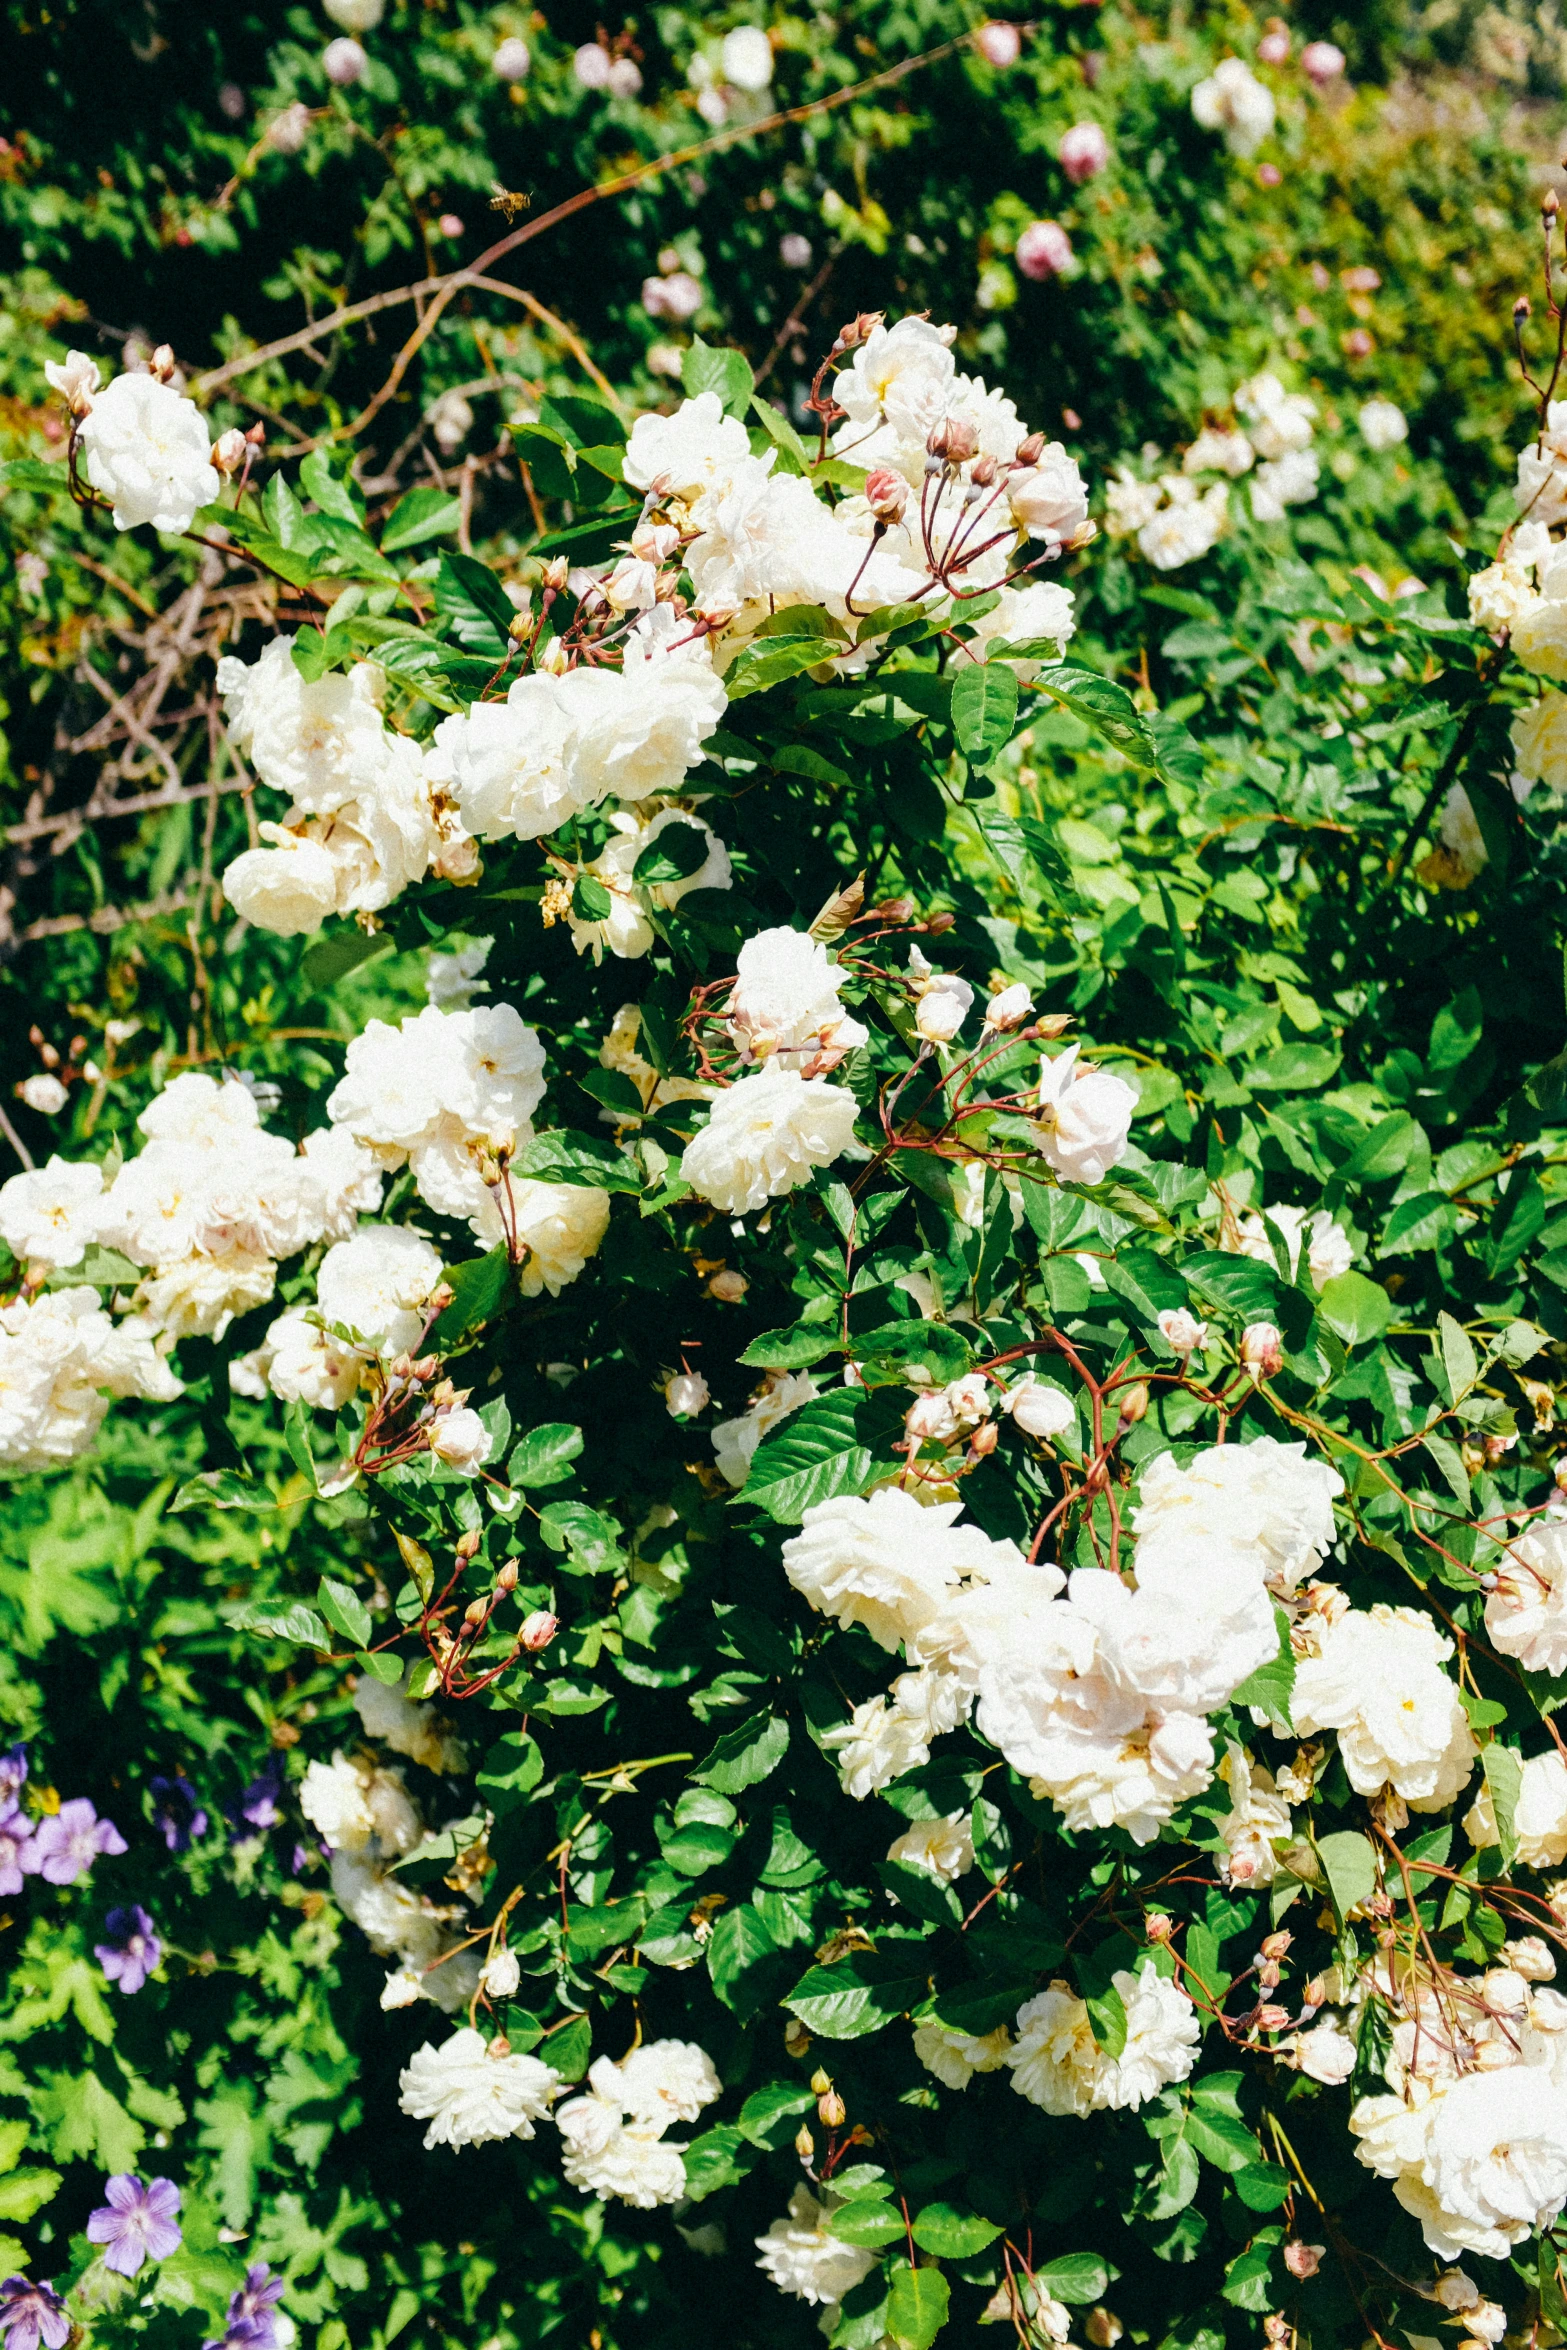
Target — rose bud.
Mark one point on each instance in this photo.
(538, 1630)
(886, 494)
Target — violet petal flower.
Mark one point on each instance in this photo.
(133, 1950)
(13, 1773)
(137, 2222)
(257, 1808)
(176, 1812)
(18, 1849)
(68, 1841)
(251, 2311)
(30, 2313)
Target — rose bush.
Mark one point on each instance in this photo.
(831, 1557)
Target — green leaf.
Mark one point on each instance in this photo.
(480, 1286)
(917, 2307)
(345, 1611)
(1221, 2138)
(1293, 1068)
(790, 1350)
(1358, 1309)
(331, 959)
(705, 368)
(388, 1670)
(815, 1454)
(745, 1756)
(1106, 706)
(22, 2192)
(1272, 1685)
(470, 598)
(423, 514)
(984, 709)
(294, 1622)
(331, 492)
(901, 1349)
(1077, 2278)
(711, 2161)
(1459, 1361)
(83, 2121)
(222, 1489)
(1107, 2018)
(588, 1161)
(568, 2049)
(679, 851)
(1350, 1866)
(510, 1771)
(770, 660)
(857, 1994)
(1504, 1782)
(605, 1926)
(543, 1456)
(589, 1537)
(767, 2114)
(1238, 1285)
(590, 900)
(952, 2234)
(739, 1952)
(867, 2220)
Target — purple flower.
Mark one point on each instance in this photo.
(176, 1811)
(13, 1773)
(130, 1956)
(137, 2222)
(29, 2312)
(251, 2311)
(256, 1809)
(18, 1852)
(70, 1840)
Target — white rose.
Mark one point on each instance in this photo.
(1233, 101)
(377, 1284)
(802, 2259)
(50, 1215)
(747, 58)
(461, 1439)
(1038, 1408)
(1383, 425)
(1540, 743)
(764, 1136)
(1084, 1118)
(1540, 638)
(1526, 1613)
(148, 451)
(469, 2093)
(289, 889)
(1048, 499)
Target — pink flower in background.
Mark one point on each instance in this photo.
(1084, 152)
(1044, 249)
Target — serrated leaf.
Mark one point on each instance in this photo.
(222, 1489)
(1350, 1866)
(790, 1350)
(294, 1622)
(1504, 1783)
(543, 1456)
(678, 851)
(917, 2307)
(745, 1756)
(867, 2220)
(984, 709)
(768, 2115)
(706, 368)
(480, 1286)
(857, 1994)
(422, 514)
(1076, 2278)
(951, 2234)
(345, 1611)
(1459, 1360)
(1358, 1309)
(814, 1455)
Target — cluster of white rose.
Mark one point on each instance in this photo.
(204, 1213)
(367, 1820)
(613, 714)
(471, 2090)
(1522, 597)
(1472, 2131)
(369, 812)
(1096, 1688)
(1177, 517)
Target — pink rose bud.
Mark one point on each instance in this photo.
(1303, 2260)
(1323, 62)
(886, 494)
(1269, 175)
(1084, 151)
(954, 439)
(1358, 344)
(728, 1286)
(538, 1630)
(450, 224)
(1000, 45)
(1044, 250)
(1262, 1349)
(230, 450)
(344, 62)
(161, 364)
(1274, 46)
